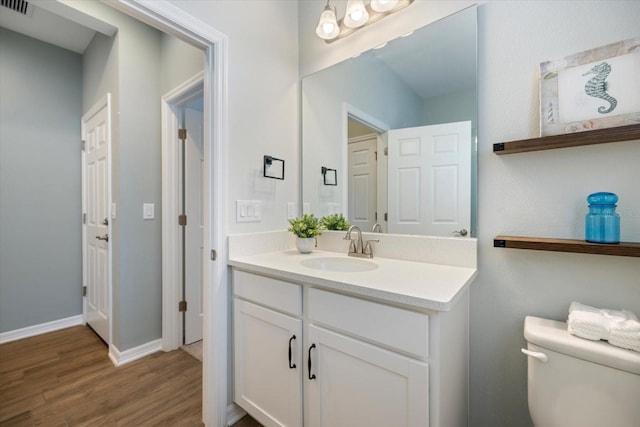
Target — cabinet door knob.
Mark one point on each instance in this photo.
(291, 366)
(311, 377)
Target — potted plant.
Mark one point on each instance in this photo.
(306, 229)
(334, 222)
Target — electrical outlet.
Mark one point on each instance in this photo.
(292, 210)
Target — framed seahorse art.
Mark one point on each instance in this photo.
(595, 89)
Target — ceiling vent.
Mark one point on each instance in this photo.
(21, 6)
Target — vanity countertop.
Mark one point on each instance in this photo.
(417, 284)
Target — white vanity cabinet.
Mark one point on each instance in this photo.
(359, 362)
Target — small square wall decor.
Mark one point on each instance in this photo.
(594, 89)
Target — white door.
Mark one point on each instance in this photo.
(362, 187)
(351, 383)
(96, 134)
(268, 364)
(194, 230)
(430, 179)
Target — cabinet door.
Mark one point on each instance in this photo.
(352, 383)
(268, 382)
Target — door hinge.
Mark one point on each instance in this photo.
(83, 145)
(182, 134)
(84, 291)
(182, 220)
(386, 151)
(386, 216)
(84, 218)
(376, 216)
(182, 306)
(376, 155)
(214, 255)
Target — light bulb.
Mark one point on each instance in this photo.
(327, 28)
(383, 5)
(356, 15)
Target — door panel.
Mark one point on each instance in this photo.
(358, 384)
(430, 179)
(194, 231)
(96, 134)
(267, 384)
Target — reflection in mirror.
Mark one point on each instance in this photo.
(399, 125)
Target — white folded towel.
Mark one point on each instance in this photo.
(620, 327)
(626, 334)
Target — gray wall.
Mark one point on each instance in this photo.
(40, 201)
(179, 62)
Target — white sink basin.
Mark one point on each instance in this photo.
(344, 265)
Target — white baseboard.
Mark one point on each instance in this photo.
(119, 358)
(234, 414)
(42, 328)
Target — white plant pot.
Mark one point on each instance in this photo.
(305, 244)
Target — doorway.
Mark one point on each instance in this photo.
(183, 204)
(366, 170)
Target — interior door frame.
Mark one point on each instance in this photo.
(104, 102)
(172, 20)
(172, 321)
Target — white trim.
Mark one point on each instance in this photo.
(172, 321)
(175, 21)
(42, 328)
(234, 414)
(119, 358)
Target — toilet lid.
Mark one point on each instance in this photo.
(553, 335)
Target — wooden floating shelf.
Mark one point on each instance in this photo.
(598, 136)
(631, 249)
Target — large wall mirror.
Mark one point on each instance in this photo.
(397, 124)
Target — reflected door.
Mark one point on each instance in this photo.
(362, 181)
(429, 188)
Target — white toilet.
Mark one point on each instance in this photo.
(573, 382)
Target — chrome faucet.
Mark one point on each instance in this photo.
(357, 247)
(377, 228)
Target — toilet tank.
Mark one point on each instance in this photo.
(582, 383)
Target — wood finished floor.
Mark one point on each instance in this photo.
(65, 378)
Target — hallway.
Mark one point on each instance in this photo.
(64, 378)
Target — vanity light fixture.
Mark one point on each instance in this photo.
(358, 15)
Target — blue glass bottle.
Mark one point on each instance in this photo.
(602, 223)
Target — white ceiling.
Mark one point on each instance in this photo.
(48, 27)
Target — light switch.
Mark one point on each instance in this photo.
(248, 211)
(148, 211)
